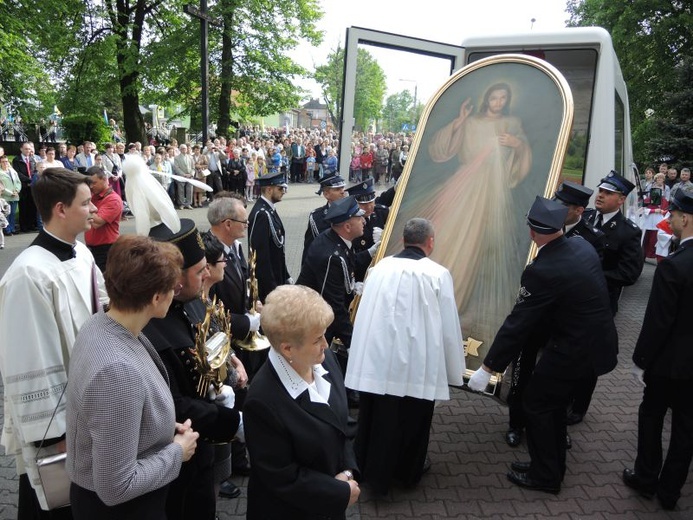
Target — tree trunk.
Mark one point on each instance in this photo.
(128, 58)
(133, 122)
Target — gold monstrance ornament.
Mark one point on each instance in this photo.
(212, 347)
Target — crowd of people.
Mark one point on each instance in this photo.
(149, 434)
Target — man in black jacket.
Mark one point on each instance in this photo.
(563, 292)
(663, 360)
(192, 494)
(575, 198)
(622, 260)
(266, 236)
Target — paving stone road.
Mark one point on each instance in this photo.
(467, 449)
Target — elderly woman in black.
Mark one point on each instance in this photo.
(298, 429)
(123, 443)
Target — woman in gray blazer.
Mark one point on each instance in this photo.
(123, 443)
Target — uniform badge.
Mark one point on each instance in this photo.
(522, 294)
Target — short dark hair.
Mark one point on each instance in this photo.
(213, 247)
(56, 185)
(98, 171)
(138, 268)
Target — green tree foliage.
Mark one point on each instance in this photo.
(116, 55)
(651, 38)
(257, 39)
(370, 87)
(90, 127)
(672, 130)
(397, 111)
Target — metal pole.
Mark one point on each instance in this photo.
(204, 69)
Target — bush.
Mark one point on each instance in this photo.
(79, 128)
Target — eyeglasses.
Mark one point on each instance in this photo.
(221, 261)
(244, 222)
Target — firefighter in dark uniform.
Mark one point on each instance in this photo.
(266, 236)
(192, 494)
(332, 266)
(375, 214)
(575, 197)
(623, 257)
(663, 360)
(622, 261)
(562, 286)
(332, 188)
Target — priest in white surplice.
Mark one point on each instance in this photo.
(406, 349)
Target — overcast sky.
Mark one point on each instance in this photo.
(446, 21)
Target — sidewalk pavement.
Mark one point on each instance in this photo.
(467, 447)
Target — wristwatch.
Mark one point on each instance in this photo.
(349, 474)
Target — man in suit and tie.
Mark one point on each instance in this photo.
(564, 293)
(664, 365)
(298, 159)
(266, 235)
(25, 165)
(229, 221)
(623, 258)
(86, 159)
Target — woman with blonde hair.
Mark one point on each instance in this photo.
(299, 433)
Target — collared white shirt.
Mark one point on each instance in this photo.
(318, 391)
(568, 227)
(606, 217)
(267, 201)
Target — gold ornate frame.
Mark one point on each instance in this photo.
(552, 103)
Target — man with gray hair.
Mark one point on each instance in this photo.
(401, 370)
(229, 220)
(685, 184)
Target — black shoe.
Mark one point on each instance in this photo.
(568, 442)
(574, 418)
(521, 467)
(666, 503)
(522, 480)
(631, 479)
(513, 437)
(229, 490)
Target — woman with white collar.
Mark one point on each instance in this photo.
(298, 430)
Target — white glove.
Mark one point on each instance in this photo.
(638, 374)
(358, 288)
(377, 234)
(240, 433)
(254, 321)
(225, 398)
(479, 380)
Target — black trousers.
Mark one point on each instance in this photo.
(27, 209)
(525, 367)
(86, 505)
(583, 396)
(392, 439)
(546, 399)
(659, 395)
(192, 494)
